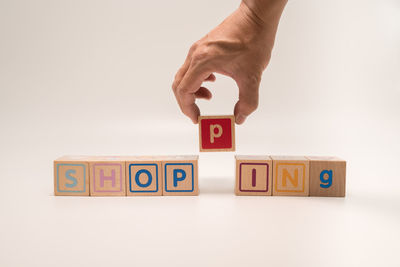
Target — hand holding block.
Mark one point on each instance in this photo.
(327, 176)
(71, 176)
(253, 175)
(180, 175)
(217, 133)
(107, 176)
(291, 176)
(143, 176)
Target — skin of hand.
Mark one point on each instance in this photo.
(240, 47)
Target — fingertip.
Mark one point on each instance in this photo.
(211, 78)
(203, 93)
(193, 112)
(195, 119)
(240, 119)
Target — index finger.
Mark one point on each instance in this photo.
(185, 92)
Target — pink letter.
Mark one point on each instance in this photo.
(102, 178)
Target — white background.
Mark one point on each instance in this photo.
(94, 77)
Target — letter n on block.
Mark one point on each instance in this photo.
(143, 176)
(71, 176)
(107, 177)
(253, 175)
(327, 177)
(291, 176)
(217, 133)
(180, 176)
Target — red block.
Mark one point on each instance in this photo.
(217, 133)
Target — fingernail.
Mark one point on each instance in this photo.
(240, 118)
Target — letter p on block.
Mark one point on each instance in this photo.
(180, 176)
(217, 133)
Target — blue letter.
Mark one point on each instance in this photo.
(69, 177)
(150, 178)
(325, 183)
(181, 178)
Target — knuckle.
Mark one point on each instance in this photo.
(193, 47)
(253, 80)
(180, 90)
(201, 54)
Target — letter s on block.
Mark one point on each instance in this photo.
(71, 178)
(326, 183)
(212, 132)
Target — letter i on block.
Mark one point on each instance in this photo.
(107, 176)
(71, 176)
(217, 133)
(180, 175)
(143, 176)
(253, 175)
(291, 176)
(327, 177)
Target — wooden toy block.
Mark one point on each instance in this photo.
(107, 176)
(291, 176)
(217, 133)
(327, 176)
(143, 176)
(253, 175)
(180, 175)
(71, 176)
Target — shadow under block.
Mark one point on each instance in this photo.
(253, 175)
(180, 176)
(327, 177)
(107, 176)
(217, 133)
(143, 176)
(71, 176)
(291, 176)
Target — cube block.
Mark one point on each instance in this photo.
(143, 176)
(71, 176)
(180, 175)
(217, 133)
(107, 176)
(327, 176)
(291, 176)
(253, 175)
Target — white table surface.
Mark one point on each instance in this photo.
(93, 78)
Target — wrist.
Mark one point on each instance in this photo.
(265, 13)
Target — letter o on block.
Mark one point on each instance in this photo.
(144, 178)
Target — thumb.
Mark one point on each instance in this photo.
(248, 98)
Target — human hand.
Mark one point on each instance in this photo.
(240, 47)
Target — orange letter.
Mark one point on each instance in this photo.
(286, 175)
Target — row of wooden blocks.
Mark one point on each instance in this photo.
(178, 175)
(290, 176)
(121, 176)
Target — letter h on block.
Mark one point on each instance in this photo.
(217, 133)
(253, 175)
(180, 175)
(107, 177)
(291, 176)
